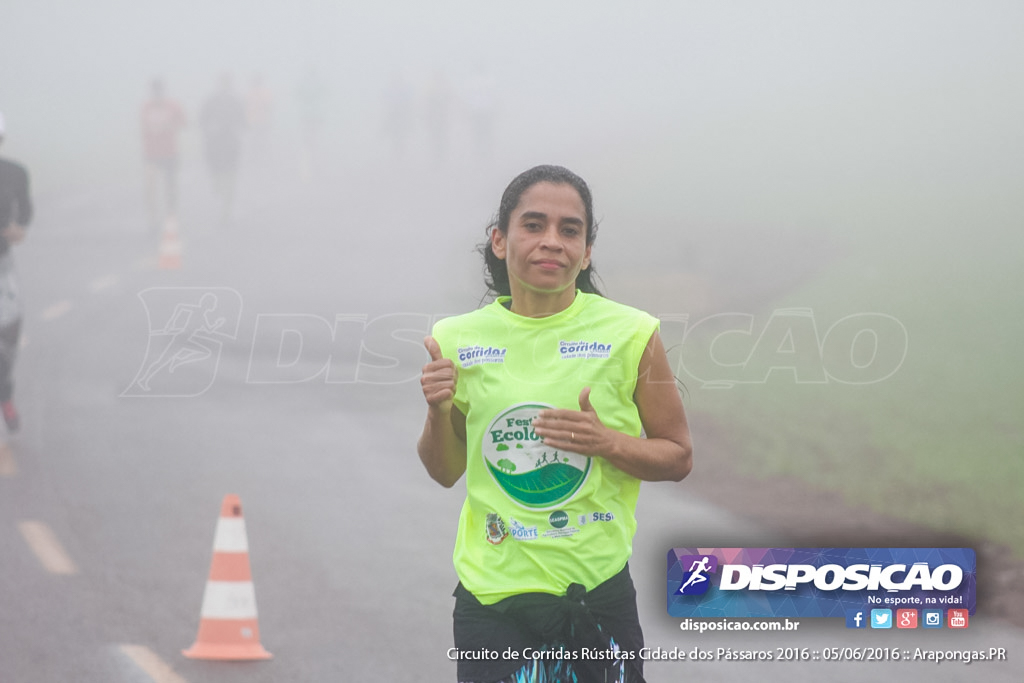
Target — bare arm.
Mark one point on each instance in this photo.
(666, 453)
(442, 446)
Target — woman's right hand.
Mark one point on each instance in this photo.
(438, 377)
(442, 446)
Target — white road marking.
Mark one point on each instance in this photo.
(56, 310)
(151, 664)
(105, 282)
(8, 467)
(47, 548)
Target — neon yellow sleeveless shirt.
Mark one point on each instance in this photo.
(536, 519)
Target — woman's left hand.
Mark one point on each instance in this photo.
(578, 431)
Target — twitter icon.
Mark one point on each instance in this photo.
(881, 618)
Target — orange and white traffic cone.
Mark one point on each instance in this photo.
(228, 627)
(170, 246)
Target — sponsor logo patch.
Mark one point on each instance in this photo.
(475, 355)
(583, 349)
(529, 472)
(520, 532)
(599, 517)
(496, 530)
(563, 532)
(558, 519)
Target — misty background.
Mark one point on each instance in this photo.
(832, 158)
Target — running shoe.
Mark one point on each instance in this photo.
(10, 416)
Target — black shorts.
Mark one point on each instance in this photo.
(600, 621)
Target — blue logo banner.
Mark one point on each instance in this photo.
(818, 582)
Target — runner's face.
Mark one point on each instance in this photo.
(545, 247)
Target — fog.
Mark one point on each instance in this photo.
(767, 102)
(685, 117)
(736, 150)
(746, 159)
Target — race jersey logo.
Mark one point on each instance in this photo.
(529, 472)
(521, 532)
(584, 349)
(496, 529)
(475, 355)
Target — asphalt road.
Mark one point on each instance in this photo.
(349, 540)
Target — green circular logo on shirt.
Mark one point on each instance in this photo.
(558, 519)
(529, 472)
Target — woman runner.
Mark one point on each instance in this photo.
(555, 402)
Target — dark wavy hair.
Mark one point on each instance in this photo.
(496, 270)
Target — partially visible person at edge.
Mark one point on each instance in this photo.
(161, 119)
(556, 403)
(15, 216)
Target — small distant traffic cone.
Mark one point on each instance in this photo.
(170, 246)
(228, 627)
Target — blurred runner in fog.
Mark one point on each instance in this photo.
(15, 215)
(161, 120)
(548, 436)
(481, 104)
(259, 108)
(436, 112)
(309, 99)
(398, 114)
(222, 120)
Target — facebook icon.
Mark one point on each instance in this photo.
(855, 618)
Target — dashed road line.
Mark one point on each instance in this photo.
(151, 664)
(56, 310)
(47, 548)
(99, 284)
(8, 466)
(105, 282)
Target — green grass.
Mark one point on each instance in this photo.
(934, 239)
(940, 442)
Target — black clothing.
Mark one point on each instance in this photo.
(9, 336)
(575, 621)
(15, 204)
(15, 208)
